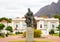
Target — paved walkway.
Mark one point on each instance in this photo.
(19, 37)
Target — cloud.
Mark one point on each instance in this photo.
(14, 8)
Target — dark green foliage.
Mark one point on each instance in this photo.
(9, 28)
(37, 33)
(2, 26)
(3, 18)
(7, 19)
(51, 31)
(57, 16)
(18, 32)
(59, 29)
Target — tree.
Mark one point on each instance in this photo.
(51, 31)
(8, 20)
(58, 16)
(9, 28)
(59, 29)
(2, 26)
(3, 18)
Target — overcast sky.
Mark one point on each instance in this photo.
(18, 8)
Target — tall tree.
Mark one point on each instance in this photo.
(8, 20)
(58, 16)
(51, 31)
(59, 29)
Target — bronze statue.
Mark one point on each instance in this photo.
(29, 18)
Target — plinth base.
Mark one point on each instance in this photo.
(29, 34)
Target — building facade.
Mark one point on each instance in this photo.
(46, 24)
(43, 24)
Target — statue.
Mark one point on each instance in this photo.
(29, 18)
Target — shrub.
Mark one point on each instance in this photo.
(2, 35)
(9, 28)
(37, 33)
(2, 26)
(18, 32)
(51, 31)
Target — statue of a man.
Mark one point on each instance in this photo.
(29, 18)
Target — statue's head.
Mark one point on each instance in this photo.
(29, 10)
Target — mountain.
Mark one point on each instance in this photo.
(49, 10)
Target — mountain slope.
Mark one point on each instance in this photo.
(49, 10)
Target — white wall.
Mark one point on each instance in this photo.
(40, 23)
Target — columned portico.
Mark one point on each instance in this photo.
(43, 24)
(46, 24)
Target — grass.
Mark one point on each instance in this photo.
(12, 35)
(55, 34)
(15, 34)
(0, 37)
(8, 35)
(34, 41)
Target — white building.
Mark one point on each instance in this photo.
(44, 24)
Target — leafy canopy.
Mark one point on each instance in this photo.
(2, 26)
(57, 16)
(58, 27)
(9, 28)
(7, 19)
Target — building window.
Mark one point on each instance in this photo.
(16, 26)
(53, 26)
(24, 24)
(41, 26)
(45, 25)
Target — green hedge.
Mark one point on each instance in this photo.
(51, 32)
(18, 32)
(37, 33)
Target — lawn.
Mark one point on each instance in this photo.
(0, 37)
(55, 34)
(12, 35)
(34, 41)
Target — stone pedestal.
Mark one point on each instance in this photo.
(29, 34)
